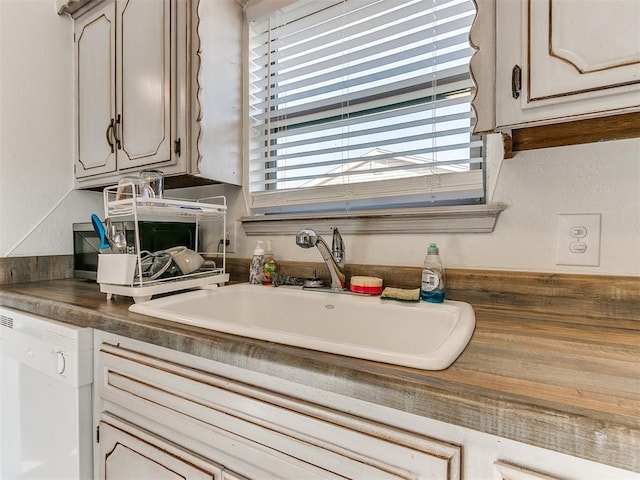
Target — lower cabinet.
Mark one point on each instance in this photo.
(162, 414)
(163, 420)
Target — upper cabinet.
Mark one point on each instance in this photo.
(95, 93)
(556, 61)
(124, 87)
(141, 99)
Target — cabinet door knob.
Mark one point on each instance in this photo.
(61, 362)
(109, 134)
(516, 81)
(117, 130)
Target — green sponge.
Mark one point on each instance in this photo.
(401, 294)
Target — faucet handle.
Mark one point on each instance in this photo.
(306, 238)
(337, 247)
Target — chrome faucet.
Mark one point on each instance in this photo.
(334, 258)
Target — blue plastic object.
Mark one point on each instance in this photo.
(100, 231)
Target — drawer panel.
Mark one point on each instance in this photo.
(201, 405)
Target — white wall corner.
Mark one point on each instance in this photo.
(494, 155)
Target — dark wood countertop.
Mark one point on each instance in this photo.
(542, 379)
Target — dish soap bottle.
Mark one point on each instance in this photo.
(432, 288)
(257, 261)
(270, 266)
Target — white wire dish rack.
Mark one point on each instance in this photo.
(122, 273)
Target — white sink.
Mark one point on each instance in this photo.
(422, 335)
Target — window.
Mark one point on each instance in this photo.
(362, 104)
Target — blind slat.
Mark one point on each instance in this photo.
(403, 48)
(347, 161)
(364, 132)
(319, 29)
(454, 187)
(377, 114)
(381, 75)
(380, 40)
(450, 80)
(409, 170)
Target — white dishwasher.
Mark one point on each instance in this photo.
(46, 376)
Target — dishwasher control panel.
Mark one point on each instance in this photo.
(50, 347)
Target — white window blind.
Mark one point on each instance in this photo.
(362, 104)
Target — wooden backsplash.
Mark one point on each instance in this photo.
(587, 299)
(583, 298)
(31, 269)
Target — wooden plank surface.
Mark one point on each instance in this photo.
(29, 269)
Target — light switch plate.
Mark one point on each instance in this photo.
(579, 239)
(231, 237)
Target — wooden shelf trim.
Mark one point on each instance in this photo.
(615, 127)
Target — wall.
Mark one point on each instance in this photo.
(535, 187)
(38, 205)
(37, 200)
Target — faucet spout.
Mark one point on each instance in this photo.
(337, 248)
(334, 259)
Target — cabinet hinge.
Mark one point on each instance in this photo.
(98, 434)
(177, 147)
(516, 81)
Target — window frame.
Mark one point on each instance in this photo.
(475, 218)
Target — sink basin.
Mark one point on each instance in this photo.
(421, 335)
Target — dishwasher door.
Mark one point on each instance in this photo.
(46, 374)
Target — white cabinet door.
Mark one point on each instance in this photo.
(508, 471)
(125, 451)
(125, 84)
(128, 453)
(95, 92)
(158, 85)
(143, 50)
(564, 59)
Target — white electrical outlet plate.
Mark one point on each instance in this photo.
(579, 239)
(231, 237)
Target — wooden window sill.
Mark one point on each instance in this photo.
(454, 219)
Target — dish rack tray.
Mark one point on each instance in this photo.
(122, 274)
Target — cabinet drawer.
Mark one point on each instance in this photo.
(199, 411)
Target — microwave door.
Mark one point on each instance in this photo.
(86, 246)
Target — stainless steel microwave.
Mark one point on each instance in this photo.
(154, 236)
